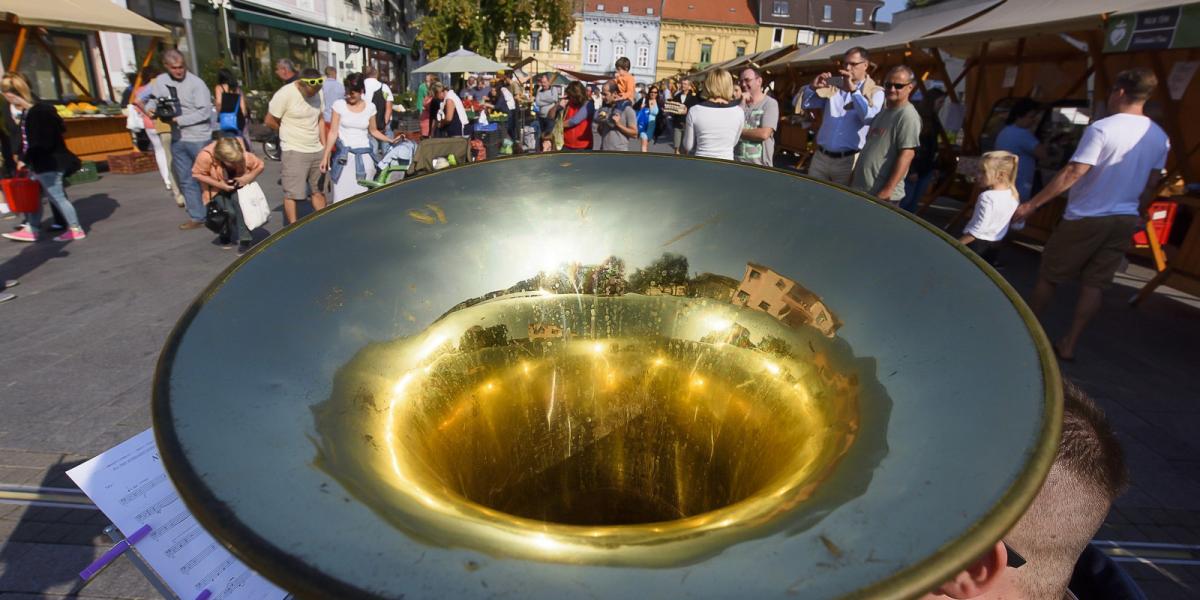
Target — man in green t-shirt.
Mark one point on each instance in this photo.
(892, 141)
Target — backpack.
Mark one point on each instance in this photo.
(380, 102)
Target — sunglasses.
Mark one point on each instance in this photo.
(315, 81)
(851, 65)
(895, 86)
(1015, 560)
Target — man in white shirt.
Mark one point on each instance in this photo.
(383, 108)
(849, 102)
(1112, 178)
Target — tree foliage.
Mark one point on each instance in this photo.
(477, 25)
(669, 269)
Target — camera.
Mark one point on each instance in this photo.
(168, 108)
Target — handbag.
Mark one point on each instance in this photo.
(216, 218)
(228, 121)
(253, 202)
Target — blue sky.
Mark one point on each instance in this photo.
(889, 7)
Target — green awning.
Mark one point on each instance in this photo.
(317, 31)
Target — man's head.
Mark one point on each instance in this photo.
(858, 61)
(898, 85)
(686, 86)
(544, 82)
(285, 69)
(751, 82)
(1132, 88)
(310, 82)
(174, 65)
(331, 72)
(609, 93)
(1087, 475)
(622, 64)
(370, 72)
(1024, 113)
(471, 81)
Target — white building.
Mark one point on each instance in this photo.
(616, 28)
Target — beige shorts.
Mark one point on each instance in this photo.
(837, 170)
(1088, 250)
(301, 173)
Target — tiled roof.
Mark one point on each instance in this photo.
(732, 12)
(616, 7)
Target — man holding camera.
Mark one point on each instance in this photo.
(182, 99)
(849, 102)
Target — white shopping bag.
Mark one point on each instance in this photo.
(253, 203)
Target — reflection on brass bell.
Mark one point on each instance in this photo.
(620, 375)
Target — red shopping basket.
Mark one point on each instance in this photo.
(1162, 216)
(22, 193)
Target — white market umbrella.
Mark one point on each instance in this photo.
(461, 61)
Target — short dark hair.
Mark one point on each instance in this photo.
(612, 87)
(1020, 108)
(1138, 83)
(227, 77)
(1089, 449)
(757, 71)
(331, 71)
(912, 77)
(859, 50)
(354, 83)
(310, 73)
(623, 63)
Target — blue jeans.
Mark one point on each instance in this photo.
(183, 156)
(52, 187)
(915, 190)
(379, 148)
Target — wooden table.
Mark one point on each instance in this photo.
(95, 137)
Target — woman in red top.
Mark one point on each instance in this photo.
(577, 121)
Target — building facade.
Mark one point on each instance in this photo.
(781, 297)
(616, 28)
(548, 54)
(813, 22)
(695, 34)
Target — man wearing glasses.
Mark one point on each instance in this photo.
(295, 111)
(849, 102)
(891, 142)
(757, 145)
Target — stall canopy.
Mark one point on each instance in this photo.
(79, 15)
(1024, 18)
(315, 30)
(757, 59)
(900, 36)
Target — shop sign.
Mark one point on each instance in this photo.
(1162, 29)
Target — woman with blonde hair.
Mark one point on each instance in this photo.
(222, 168)
(995, 206)
(42, 151)
(713, 127)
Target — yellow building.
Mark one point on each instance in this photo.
(562, 54)
(695, 34)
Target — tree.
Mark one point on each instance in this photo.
(478, 24)
(669, 269)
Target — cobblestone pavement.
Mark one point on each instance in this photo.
(91, 316)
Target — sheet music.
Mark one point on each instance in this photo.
(129, 485)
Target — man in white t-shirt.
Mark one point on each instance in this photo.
(383, 108)
(1113, 176)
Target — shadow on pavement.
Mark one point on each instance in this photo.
(92, 209)
(47, 548)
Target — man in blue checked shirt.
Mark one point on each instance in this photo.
(849, 102)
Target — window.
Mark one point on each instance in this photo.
(822, 39)
(780, 9)
(566, 45)
(785, 310)
(764, 305)
(618, 51)
(740, 51)
(827, 16)
(705, 53)
(742, 296)
(858, 16)
(777, 38)
(804, 36)
(535, 40)
(755, 275)
(670, 49)
(624, 9)
(593, 53)
(599, 8)
(780, 284)
(643, 56)
(513, 42)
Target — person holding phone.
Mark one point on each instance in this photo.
(849, 100)
(222, 168)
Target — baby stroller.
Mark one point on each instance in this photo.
(397, 160)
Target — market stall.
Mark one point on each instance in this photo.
(63, 38)
(1065, 55)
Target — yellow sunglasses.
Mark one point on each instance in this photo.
(315, 81)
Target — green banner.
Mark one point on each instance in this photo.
(1162, 29)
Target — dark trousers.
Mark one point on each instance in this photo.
(236, 231)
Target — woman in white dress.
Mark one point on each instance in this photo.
(348, 155)
(713, 127)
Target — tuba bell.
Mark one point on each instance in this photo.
(609, 375)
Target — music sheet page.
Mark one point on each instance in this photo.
(128, 483)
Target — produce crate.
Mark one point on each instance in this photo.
(86, 174)
(131, 163)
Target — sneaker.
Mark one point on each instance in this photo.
(74, 233)
(6, 297)
(10, 283)
(191, 225)
(243, 247)
(21, 235)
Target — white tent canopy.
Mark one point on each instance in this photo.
(1023, 18)
(899, 36)
(79, 15)
(461, 61)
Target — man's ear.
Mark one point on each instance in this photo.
(980, 576)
